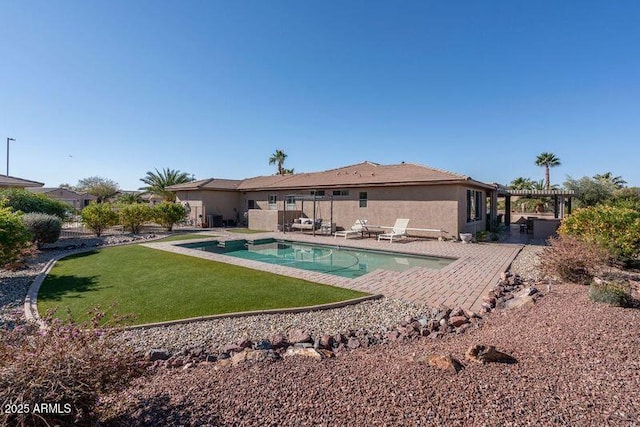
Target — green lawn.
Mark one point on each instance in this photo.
(189, 236)
(160, 286)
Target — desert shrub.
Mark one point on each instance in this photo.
(64, 364)
(14, 235)
(133, 216)
(571, 259)
(27, 202)
(99, 216)
(44, 228)
(616, 293)
(167, 214)
(615, 229)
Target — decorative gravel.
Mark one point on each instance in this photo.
(578, 363)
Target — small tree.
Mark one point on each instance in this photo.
(98, 216)
(14, 235)
(133, 216)
(168, 214)
(27, 202)
(589, 191)
(102, 188)
(158, 182)
(44, 228)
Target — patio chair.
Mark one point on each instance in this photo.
(357, 228)
(399, 230)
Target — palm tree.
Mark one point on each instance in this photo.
(614, 181)
(548, 160)
(158, 182)
(286, 171)
(278, 159)
(521, 183)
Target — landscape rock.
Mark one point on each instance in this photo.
(158, 354)
(353, 343)
(440, 361)
(456, 321)
(482, 354)
(519, 302)
(326, 341)
(306, 352)
(299, 336)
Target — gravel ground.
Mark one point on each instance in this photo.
(578, 363)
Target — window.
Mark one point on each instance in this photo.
(273, 199)
(474, 205)
(290, 201)
(317, 192)
(340, 192)
(251, 204)
(363, 199)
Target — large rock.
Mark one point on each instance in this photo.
(326, 341)
(353, 343)
(456, 321)
(519, 302)
(299, 336)
(308, 352)
(158, 354)
(278, 341)
(482, 354)
(440, 361)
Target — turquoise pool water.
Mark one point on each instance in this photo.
(339, 261)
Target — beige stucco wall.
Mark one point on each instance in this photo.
(473, 226)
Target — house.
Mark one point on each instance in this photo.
(430, 198)
(13, 182)
(74, 198)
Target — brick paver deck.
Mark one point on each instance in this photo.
(461, 283)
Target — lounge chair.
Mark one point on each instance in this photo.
(399, 230)
(358, 227)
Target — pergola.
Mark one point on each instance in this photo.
(561, 200)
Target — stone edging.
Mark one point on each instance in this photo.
(31, 301)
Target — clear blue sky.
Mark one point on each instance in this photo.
(117, 88)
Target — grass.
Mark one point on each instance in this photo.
(245, 231)
(160, 286)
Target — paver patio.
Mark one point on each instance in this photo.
(462, 283)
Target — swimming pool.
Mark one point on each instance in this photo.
(336, 260)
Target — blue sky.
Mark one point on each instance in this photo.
(117, 88)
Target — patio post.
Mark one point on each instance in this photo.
(507, 210)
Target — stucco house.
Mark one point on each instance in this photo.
(74, 198)
(430, 198)
(14, 182)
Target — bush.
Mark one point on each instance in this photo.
(167, 214)
(27, 202)
(14, 235)
(133, 216)
(99, 216)
(64, 364)
(614, 229)
(615, 293)
(570, 259)
(44, 228)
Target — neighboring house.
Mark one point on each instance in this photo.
(13, 182)
(429, 198)
(75, 199)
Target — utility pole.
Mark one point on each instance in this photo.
(8, 140)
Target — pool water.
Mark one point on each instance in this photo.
(339, 261)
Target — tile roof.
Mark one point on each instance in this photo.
(361, 174)
(12, 181)
(209, 184)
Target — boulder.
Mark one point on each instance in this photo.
(440, 361)
(278, 341)
(245, 343)
(456, 321)
(519, 302)
(299, 335)
(326, 341)
(305, 352)
(158, 354)
(393, 335)
(353, 343)
(263, 345)
(463, 328)
(482, 354)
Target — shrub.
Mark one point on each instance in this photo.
(44, 228)
(571, 259)
(615, 293)
(133, 216)
(615, 229)
(27, 202)
(63, 364)
(168, 214)
(14, 235)
(98, 216)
